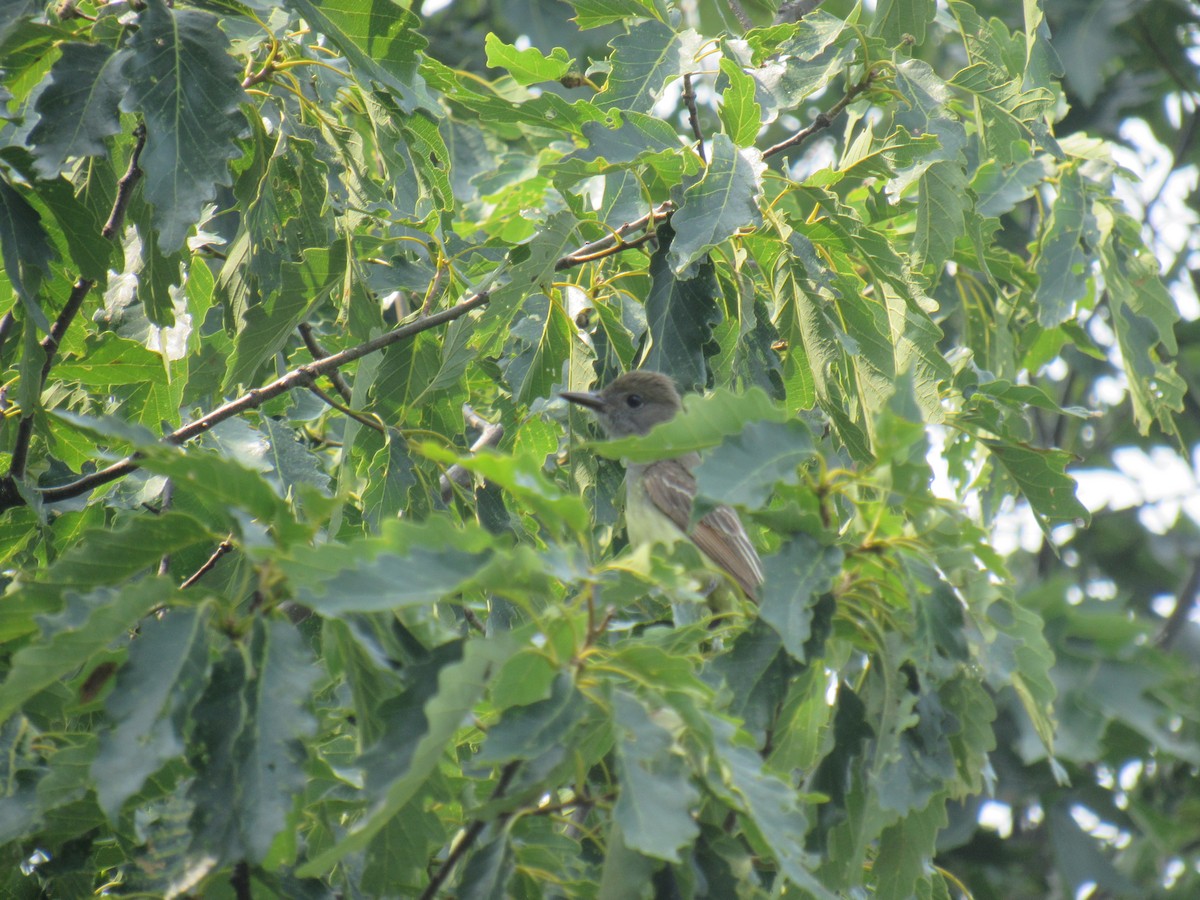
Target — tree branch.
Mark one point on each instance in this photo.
(615, 242)
(305, 375)
(125, 186)
(1189, 595)
(469, 836)
(823, 120)
(319, 352)
(689, 100)
(456, 474)
(222, 548)
(302, 376)
(50, 344)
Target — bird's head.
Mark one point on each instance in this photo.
(631, 404)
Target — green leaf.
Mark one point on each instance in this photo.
(740, 113)
(1016, 654)
(534, 265)
(114, 361)
(460, 686)
(527, 66)
(487, 873)
(419, 577)
(150, 705)
(267, 326)
(188, 88)
(78, 108)
(522, 477)
(744, 470)
(719, 204)
(1063, 261)
(643, 61)
(80, 222)
(26, 249)
(906, 849)
(538, 345)
(218, 720)
(768, 805)
(525, 732)
(657, 798)
(270, 750)
(680, 315)
(1144, 319)
(796, 576)
(1042, 477)
(89, 623)
(111, 555)
(594, 13)
(381, 41)
(899, 20)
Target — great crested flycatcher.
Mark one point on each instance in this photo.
(659, 495)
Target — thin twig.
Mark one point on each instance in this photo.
(347, 411)
(469, 836)
(319, 352)
(822, 121)
(302, 376)
(1184, 604)
(456, 474)
(794, 10)
(50, 344)
(125, 186)
(222, 548)
(615, 242)
(168, 498)
(689, 100)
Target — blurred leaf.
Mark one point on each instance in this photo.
(654, 809)
(188, 89)
(153, 699)
(795, 577)
(460, 686)
(78, 108)
(705, 422)
(89, 623)
(680, 315)
(738, 471)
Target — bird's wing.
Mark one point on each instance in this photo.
(720, 535)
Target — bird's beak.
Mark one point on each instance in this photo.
(590, 399)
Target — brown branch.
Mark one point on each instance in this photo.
(456, 474)
(302, 376)
(689, 100)
(50, 344)
(469, 836)
(125, 186)
(1184, 604)
(794, 10)
(823, 120)
(347, 411)
(615, 242)
(305, 375)
(6, 324)
(224, 547)
(319, 352)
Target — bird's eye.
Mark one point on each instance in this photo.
(633, 401)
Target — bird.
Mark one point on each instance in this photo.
(659, 495)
